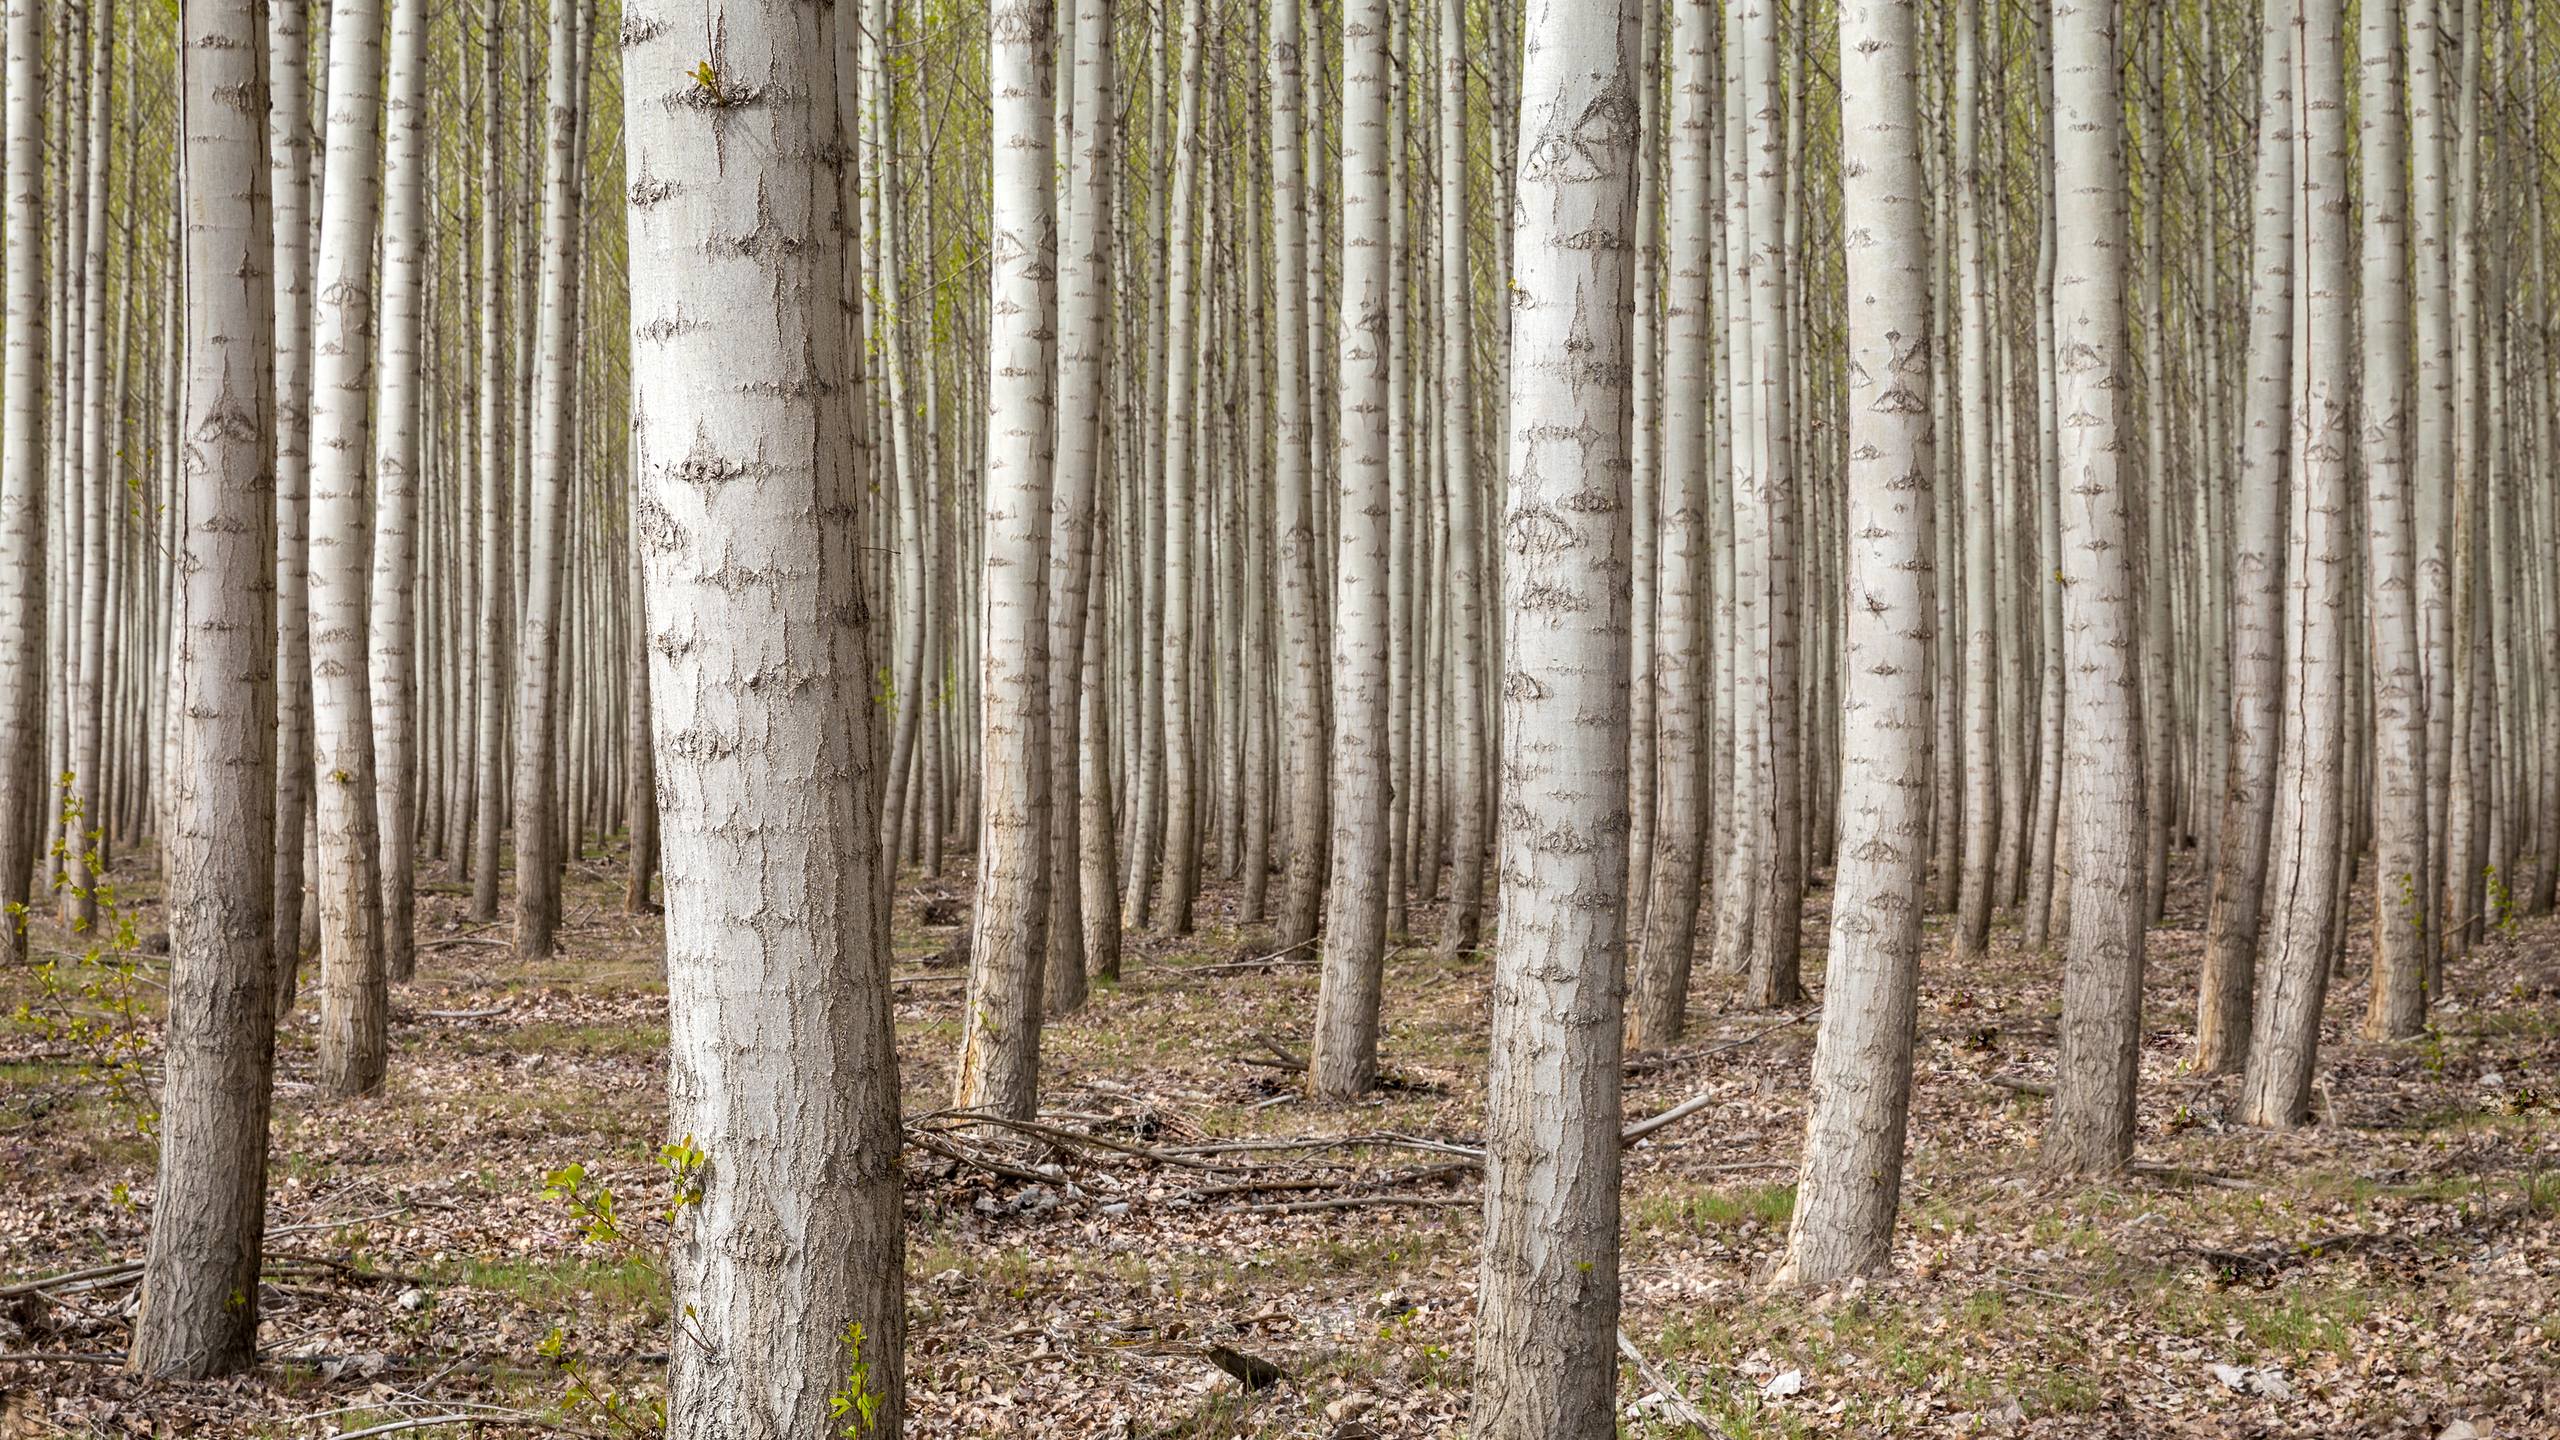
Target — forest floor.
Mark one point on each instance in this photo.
(2391, 1271)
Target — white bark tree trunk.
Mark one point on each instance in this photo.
(395, 480)
(22, 475)
(789, 1270)
(1861, 1103)
(1547, 1289)
(2237, 904)
(199, 1308)
(2091, 1125)
(538, 673)
(1344, 1060)
(999, 1067)
(2293, 960)
(1302, 656)
(355, 1004)
(2398, 1003)
(289, 174)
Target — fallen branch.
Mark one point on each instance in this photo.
(2200, 1177)
(1353, 1202)
(445, 941)
(2037, 1088)
(1687, 1413)
(58, 1357)
(116, 1271)
(1705, 1098)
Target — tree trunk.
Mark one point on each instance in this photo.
(2293, 967)
(22, 479)
(289, 172)
(539, 854)
(2398, 1003)
(1302, 657)
(1464, 926)
(1861, 1100)
(1676, 793)
(1547, 1290)
(789, 1268)
(1185, 468)
(2091, 1126)
(1978, 842)
(1344, 1062)
(395, 480)
(199, 1309)
(999, 1068)
(355, 1006)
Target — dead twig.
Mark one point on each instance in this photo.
(1354, 1202)
(1678, 1403)
(1705, 1098)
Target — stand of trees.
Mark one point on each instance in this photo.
(1571, 480)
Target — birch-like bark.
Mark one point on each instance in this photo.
(1982, 819)
(355, 1004)
(1682, 667)
(22, 476)
(199, 1308)
(2293, 960)
(395, 480)
(1861, 1102)
(497, 584)
(1084, 289)
(1344, 1060)
(2398, 1004)
(2091, 1125)
(789, 1269)
(1464, 925)
(1547, 1287)
(1302, 654)
(84, 818)
(289, 162)
(2237, 904)
(539, 853)
(999, 1069)
(2431, 434)
(1185, 471)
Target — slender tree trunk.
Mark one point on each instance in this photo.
(2237, 905)
(2398, 1003)
(999, 1067)
(1547, 1291)
(355, 1005)
(84, 818)
(497, 583)
(1464, 926)
(1302, 655)
(2293, 967)
(1185, 467)
(22, 478)
(1344, 1062)
(539, 852)
(289, 173)
(1861, 1101)
(199, 1309)
(789, 1268)
(2091, 1126)
(1982, 819)
(395, 481)
(1084, 286)
(1682, 668)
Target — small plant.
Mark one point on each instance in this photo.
(94, 1001)
(854, 1406)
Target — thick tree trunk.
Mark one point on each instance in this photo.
(1861, 1101)
(789, 1268)
(199, 1307)
(1547, 1289)
(2091, 1126)
(999, 1068)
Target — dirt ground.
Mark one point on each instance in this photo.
(2391, 1271)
